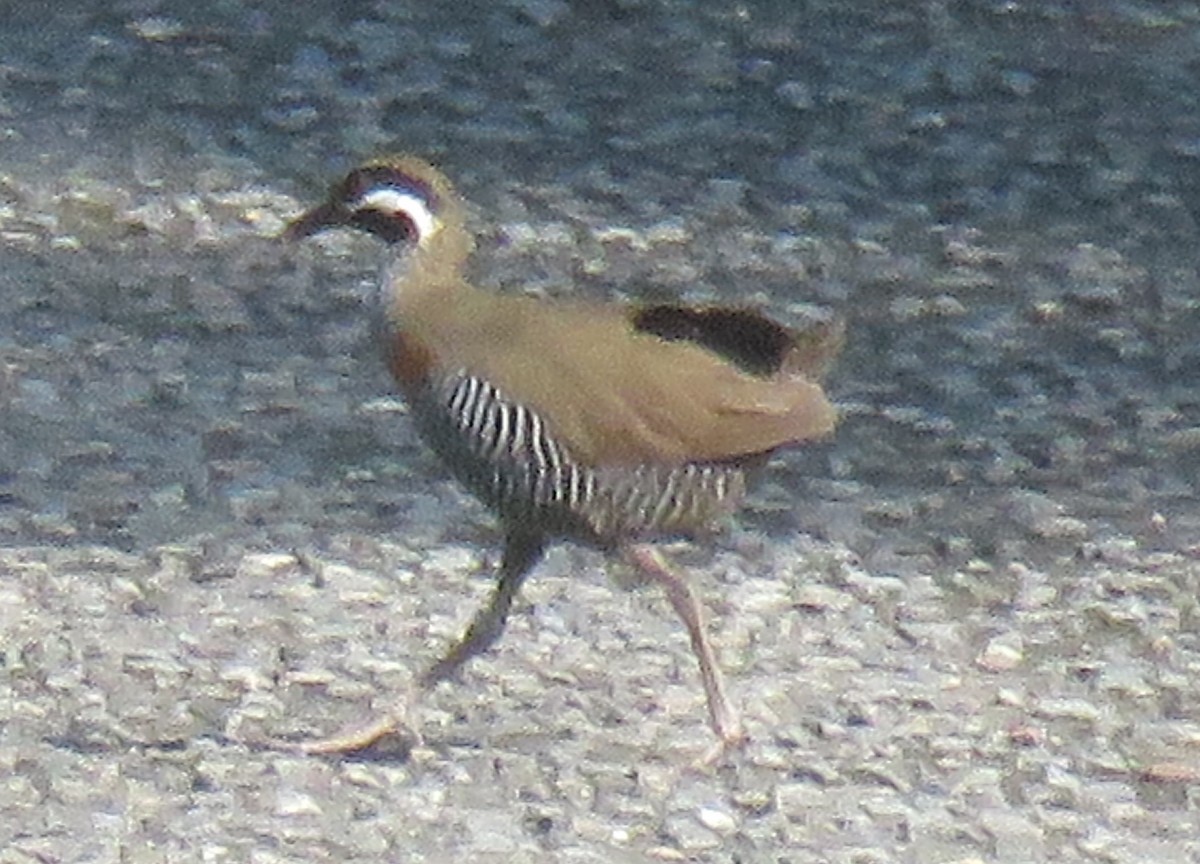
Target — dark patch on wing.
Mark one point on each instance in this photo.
(749, 340)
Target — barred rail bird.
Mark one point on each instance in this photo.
(601, 424)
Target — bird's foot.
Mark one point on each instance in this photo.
(389, 737)
(730, 739)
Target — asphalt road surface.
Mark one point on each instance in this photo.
(963, 630)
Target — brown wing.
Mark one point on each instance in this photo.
(616, 395)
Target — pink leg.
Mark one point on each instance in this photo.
(721, 713)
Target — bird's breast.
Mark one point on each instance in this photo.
(410, 360)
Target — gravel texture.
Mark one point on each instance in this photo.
(964, 630)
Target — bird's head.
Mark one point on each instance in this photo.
(398, 199)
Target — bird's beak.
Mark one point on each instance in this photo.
(316, 220)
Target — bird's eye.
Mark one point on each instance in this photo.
(389, 226)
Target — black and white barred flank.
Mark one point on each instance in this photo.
(505, 454)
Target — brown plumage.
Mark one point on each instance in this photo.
(604, 424)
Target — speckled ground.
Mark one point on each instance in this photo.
(965, 630)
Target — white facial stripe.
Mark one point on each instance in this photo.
(391, 200)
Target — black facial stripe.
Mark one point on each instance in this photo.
(389, 227)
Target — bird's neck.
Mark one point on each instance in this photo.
(418, 281)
